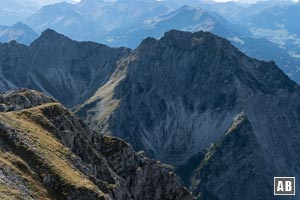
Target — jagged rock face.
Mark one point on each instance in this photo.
(68, 70)
(172, 101)
(236, 151)
(176, 96)
(182, 92)
(48, 153)
(136, 170)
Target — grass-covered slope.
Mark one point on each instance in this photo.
(44, 159)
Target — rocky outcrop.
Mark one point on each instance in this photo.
(67, 70)
(21, 99)
(48, 153)
(238, 152)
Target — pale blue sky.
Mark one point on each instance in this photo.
(40, 3)
(44, 2)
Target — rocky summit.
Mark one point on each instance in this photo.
(177, 96)
(46, 152)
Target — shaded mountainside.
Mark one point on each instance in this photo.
(69, 71)
(48, 153)
(176, 96)
(236, 151)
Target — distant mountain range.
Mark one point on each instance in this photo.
(255, 31)
(13, 11)
(90, 20)
(19, 32)
(279, 25)
(185, 18)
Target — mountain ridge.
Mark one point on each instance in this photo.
(48, 153)
(71, 78)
